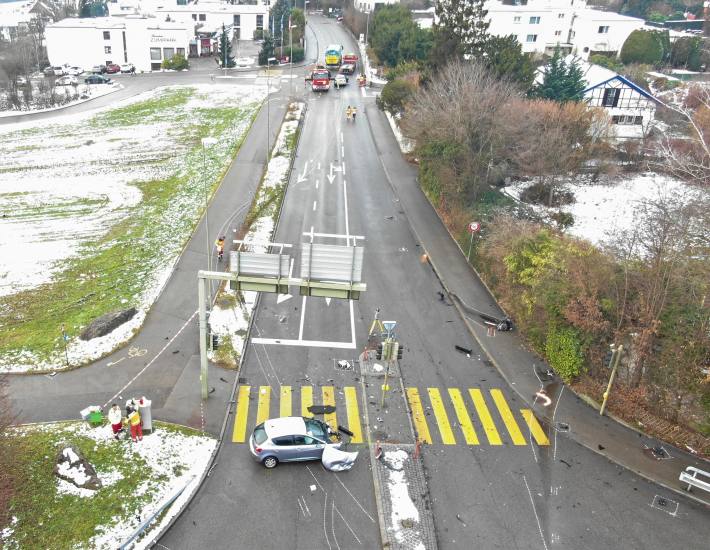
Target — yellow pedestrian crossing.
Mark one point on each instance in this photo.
(457, 414)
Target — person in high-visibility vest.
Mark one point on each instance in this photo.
(134, 419)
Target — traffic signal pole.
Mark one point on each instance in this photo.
(616, 359)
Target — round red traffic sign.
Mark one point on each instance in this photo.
(474, 227)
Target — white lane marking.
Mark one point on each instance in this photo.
(353, 497)
(343, 167)
(319, 166)
(317, 184)
(554, 412)
(111, 363)
(347, 221)
(544, 543)
(303, 343)
(348, 526)
(362, 90)
(315, 203)
(352, 322)
(152, 360)
(334, 236)
(342, 151)
(303, 314)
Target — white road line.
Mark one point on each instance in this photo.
(362, 90)
(352, 322)
(334, 236)
(536, 516)
(347, 220)
(303, 315)
(342, 151)
(343, 167)
(356, 500)
(151, 361)
(315, 203)
(303, 343)
(348, 526)
(317, 184)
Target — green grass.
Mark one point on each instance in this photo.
(111, 272)
(48, 519)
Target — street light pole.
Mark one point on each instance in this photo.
(290, 57)
(367, 28)
(206, 142)
(268, 110)
(615, 360)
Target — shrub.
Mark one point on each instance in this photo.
(176, 63)
(395, 95)
(563, 352)
(606, 61)
(645, 47)
(298, 54)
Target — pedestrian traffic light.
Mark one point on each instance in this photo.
(400, 351)
(608, 359)
(380, 348)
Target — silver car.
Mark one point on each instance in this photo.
(292, 438)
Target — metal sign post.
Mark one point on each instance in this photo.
(473, 227)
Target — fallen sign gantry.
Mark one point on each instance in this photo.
(331, 271)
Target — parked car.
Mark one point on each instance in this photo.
(97, 79)
(112, 68)
(292, 438)
(22, 81)
(55, 71)
(74, 71)
(128, 68)
(67, 80)
(340, 80)
(98, 69)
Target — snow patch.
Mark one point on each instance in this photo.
(404, 511)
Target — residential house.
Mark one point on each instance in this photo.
(543, 25)
(141, 40)
(16, 18)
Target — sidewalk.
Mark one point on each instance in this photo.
(567, 415)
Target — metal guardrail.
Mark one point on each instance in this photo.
(142, 527)
(690, 477)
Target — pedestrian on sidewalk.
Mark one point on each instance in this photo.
(116, 420)
(135, 421)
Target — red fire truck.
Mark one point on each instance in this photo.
(319, 79)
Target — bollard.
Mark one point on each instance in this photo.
(378, 450)
(417, 448)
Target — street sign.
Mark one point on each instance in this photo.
(474, 227)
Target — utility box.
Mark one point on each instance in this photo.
(144, 408)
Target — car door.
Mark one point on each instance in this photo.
(284, 448)
(307, 447)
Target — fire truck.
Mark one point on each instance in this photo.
(319, 79)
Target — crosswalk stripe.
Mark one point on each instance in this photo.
(240, 420)
(469, 433)
(329, 399)
(353, 414)
(535, 428)
(306, 400)
(285, 401)
(262, 409)
(507, 416)
(415, 404)
(484, 416)
(442, 419)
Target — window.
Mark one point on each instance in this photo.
(194, 16)
(259, 21)
(604, 29)
(560, 16)
(237, 20)
(611, 97)
(638, 120)
(107, 49)
(534, 20)
(558, 33)
(202, 17)
(168, 53)
(283, 441)
(531, 38)
(516, 19)
(303, 440)
(107, 35)
(180, 51)
(627, 120)
(155, 54)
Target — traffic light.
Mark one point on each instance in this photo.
(378, 354)
(400, 351)
(608, 358)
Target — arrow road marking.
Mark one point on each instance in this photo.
(327, 300)
(111, 363)
(302, 175)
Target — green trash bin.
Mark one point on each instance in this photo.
(96, 418)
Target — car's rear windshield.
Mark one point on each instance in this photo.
(259, 434)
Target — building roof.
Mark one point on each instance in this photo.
(112, 22)
(599, 15)
(211, 7)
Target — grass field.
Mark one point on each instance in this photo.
(136, 478)
(100, 208)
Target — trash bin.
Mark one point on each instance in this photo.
(92, 415)
(146, 415)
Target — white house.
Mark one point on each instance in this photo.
(17, 17)
(370, 5)
(208, 17)
(143, 41)
(630, 109)
(542, 25)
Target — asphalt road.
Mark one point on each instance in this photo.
(483, 495)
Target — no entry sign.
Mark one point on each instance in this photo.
(474, 227)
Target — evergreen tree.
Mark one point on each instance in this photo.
(562, 81)
(226, 59)
(462, 29)
(267, 49)
(504, 56)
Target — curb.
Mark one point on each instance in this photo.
(525, 399)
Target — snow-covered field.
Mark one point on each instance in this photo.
(603, 210)
(234, 321)
(82, 94)
(95, 183)
(165, 461)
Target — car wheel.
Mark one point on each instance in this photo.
(270, 462)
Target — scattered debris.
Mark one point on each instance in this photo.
(462, 349)
(321, 409)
